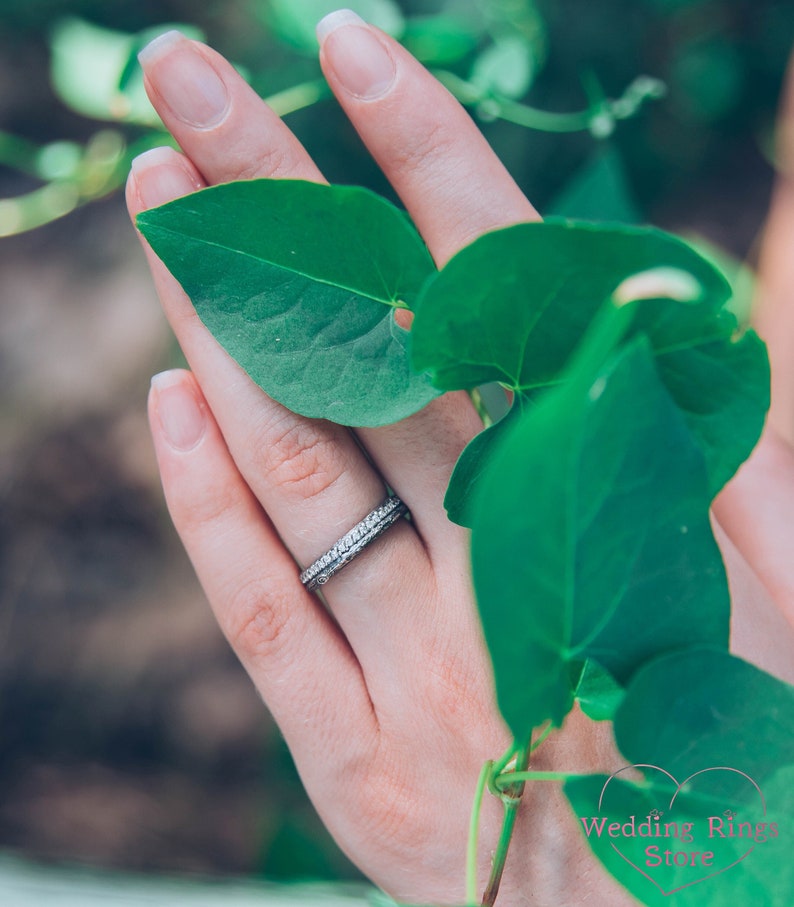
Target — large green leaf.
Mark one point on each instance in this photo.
(591, 539)
(722, 730)
(298, 281)
(721, 387)
(719, 707)
(511, 306)
(482, 318)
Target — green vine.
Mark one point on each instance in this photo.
(74, 175)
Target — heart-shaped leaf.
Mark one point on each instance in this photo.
(601, 550)
(503, 327)
(512, 306)
(298, 282)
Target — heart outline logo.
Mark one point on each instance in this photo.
(679, 786)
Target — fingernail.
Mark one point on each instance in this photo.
(179, 412)
(358, 58)
(185, 80)
(160, 177)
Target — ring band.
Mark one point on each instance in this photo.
(353, 543)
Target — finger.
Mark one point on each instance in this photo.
(310, 475)
(774, 313)
(223, 125)
(755, 510)
(455, 189)
(246, 138)
(452, 183)
(297, 658)
(761, 631)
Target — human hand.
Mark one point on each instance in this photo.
(388, 703)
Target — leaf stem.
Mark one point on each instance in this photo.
(505, 781)
(543, 735)
(511, 797)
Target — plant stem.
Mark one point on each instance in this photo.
(598, 117)
(474, 827)
(511, 797)
(542, 736)
(504, 782)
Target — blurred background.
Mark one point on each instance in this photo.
(129, 736)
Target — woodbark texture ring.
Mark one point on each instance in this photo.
(353, 543)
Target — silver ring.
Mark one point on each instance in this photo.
(353, 543)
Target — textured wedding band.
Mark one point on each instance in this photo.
(353, 543)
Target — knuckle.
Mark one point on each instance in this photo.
(214, 504)
(429, 146)
(269, 161)
(259, 616)
(455, 691)
(389, 806)
(300, 459)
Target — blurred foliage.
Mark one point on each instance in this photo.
(73, 114)
(492, 54)
(550, 65)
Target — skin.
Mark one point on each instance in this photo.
(386, 699)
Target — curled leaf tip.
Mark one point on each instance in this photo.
(659, 283)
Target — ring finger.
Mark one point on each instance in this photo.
(228, 133)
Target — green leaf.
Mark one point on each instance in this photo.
(511, 306)
(591, 539)
(722, 389)
(298, 282)
(597, 692)
(472, 465)
(723, 706)
(739, 274)
(294, 21)
(737, 871)
(91, 71)
(722, 729)
(599, 191)
(504, 68)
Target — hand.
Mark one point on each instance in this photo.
(387, 702)
(755, 508)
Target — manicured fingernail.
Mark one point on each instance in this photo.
(185, 80)
(359, 59)
(160, 177)
(180, 413)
